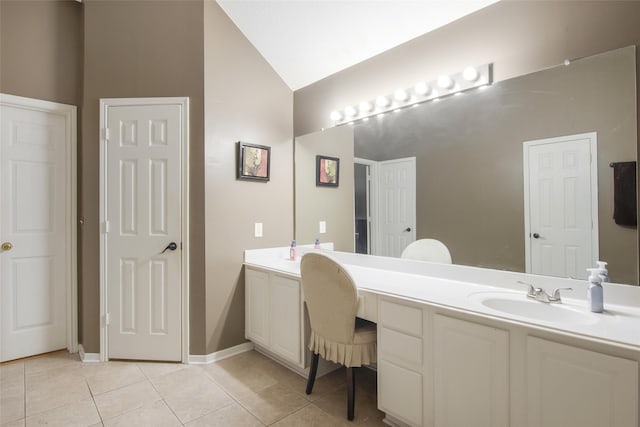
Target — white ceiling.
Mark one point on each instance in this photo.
(308, 40)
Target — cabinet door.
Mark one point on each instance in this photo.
(470, 374)
(257, 306)
(400, 392)
(569, 386)
(285, 318)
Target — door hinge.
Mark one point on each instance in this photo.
(106, 319)
(105, 134)
(105, 227)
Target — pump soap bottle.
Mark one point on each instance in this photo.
(316, 244)
(594, 293)
(292, 251)
(603, 273)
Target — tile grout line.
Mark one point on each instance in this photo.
(236, 401)
(93, 399)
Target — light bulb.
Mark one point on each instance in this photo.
(382, 101)
(422, 88)
(350, 111)
(336, 116)
(366, 107)
(445, 82)
(470, 74)
(401, 95)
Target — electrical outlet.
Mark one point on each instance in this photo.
(323, 227)
(257, 229)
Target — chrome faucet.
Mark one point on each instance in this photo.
(541, 295)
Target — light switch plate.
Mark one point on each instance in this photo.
(257, 229)
(323, 227)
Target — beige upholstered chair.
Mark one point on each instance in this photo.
(427, 250)
(332, 302)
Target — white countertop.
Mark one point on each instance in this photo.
(465, 288)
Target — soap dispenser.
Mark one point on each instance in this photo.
(602, 272)
(316, 244)
(292, 251)
(594, 293)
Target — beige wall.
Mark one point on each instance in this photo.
(245, 100)
(41, 50)
(140, 49)
(518, 37)
(334, 205)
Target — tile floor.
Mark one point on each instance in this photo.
(244, 390)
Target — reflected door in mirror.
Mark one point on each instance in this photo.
(562, 205)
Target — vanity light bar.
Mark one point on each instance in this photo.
(445, 85)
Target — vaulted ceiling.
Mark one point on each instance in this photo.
(308, 40)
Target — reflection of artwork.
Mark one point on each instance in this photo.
(253, 161)
(327, 171)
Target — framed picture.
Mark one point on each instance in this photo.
(327, 171)
(254, 162)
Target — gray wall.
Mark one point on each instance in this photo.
(77, 53)
(518, 37)
(140, 49)
(245, 100)
(41, 50)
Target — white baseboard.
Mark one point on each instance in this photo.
(88, 357)
(219, 355)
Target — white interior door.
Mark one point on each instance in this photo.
(143, 217)
(397, 205)
(561, 206)
(36, 253)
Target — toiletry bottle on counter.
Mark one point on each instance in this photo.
(603, 273)
(292, 251)
(594, 293)
(316, 245)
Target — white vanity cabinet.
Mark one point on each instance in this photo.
(273, 313)
(441, 368)
(569, 386)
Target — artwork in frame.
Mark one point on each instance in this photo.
(254, 162)
(327, 171)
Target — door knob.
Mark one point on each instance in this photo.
(171, 247)
(6, 246)
(536, 235)
(407, 229)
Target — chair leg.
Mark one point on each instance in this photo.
(351, 392)
(312, 372)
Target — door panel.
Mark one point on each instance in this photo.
(397, 205)
(560, 206)
(144, 284)
(35, 206)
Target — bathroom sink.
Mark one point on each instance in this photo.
(521, 306)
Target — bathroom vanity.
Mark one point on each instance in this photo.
(464, 346)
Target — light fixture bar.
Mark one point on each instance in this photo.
(444, 85)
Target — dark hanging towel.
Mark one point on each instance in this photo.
(624, 193)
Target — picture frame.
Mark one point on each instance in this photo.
(327, 171)
(253, 162)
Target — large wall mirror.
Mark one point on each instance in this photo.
(469, 167)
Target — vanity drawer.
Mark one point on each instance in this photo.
(405, 350)
(402, 318)
(367, 306)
